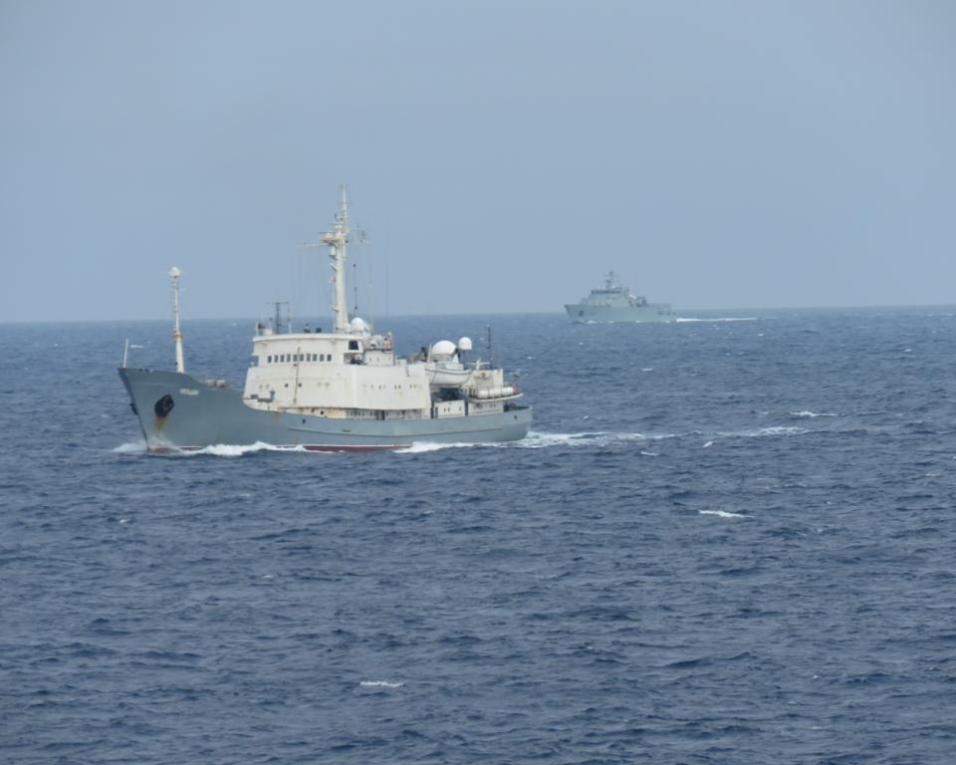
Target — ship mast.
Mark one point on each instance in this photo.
(337, 240)
(174, 275)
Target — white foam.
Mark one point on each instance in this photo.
(806, 414)
(775, 430)
(723, 514)
(708, 444)
(778, 430)
(539, 440)
(238, 450)
(380, 684)
(133, 447)
(216, 450)
(722, 318)
(421, 447)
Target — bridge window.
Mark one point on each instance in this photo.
(253, 361)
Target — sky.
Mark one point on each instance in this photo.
(501, 155)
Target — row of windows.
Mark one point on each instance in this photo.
(292, 358)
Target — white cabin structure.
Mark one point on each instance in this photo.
(353, 373)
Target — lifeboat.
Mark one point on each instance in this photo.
(498, 391)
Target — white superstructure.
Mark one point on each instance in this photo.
(352, 372)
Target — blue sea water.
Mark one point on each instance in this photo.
(724, 542)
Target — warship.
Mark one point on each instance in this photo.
(614, 303)
(340, 390)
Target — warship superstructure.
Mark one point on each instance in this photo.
(614, 303)
(329, 391)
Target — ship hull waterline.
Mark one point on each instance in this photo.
(653, 314)
(203, 415)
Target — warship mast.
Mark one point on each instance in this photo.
(174, 275)
(337, 240)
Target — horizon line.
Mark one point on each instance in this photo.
(493, 313)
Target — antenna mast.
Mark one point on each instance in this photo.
(337, 240)
(174, 275)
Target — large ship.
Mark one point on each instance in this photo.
(614, 303)
(341, 390)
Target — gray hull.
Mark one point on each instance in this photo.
(201, 415)
(652, 312)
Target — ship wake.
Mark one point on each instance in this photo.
(214, 450)
(539, 440)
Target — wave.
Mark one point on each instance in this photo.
(723, 514)
(773, 430)
(684, 319)
(133, 447)
(540, 440)
(380, 684)
(215, 450)
(240, 450)
(806, 414)
(534, 440)
(422, 447)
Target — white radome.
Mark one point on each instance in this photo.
(464, 344)
(443, 349)
(358, 324)
(175, 273)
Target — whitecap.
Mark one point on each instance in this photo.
(774, 430)
(806, 414)
(709, 443)
(723, 514)
(380, 684)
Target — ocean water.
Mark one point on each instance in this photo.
(723, 542)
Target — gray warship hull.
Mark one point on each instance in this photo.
(581, 313)
(178, 412)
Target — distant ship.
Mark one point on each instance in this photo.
(329, 391)
(616, 303)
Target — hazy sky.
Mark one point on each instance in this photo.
(501, 155)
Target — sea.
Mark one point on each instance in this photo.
(730, 539)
